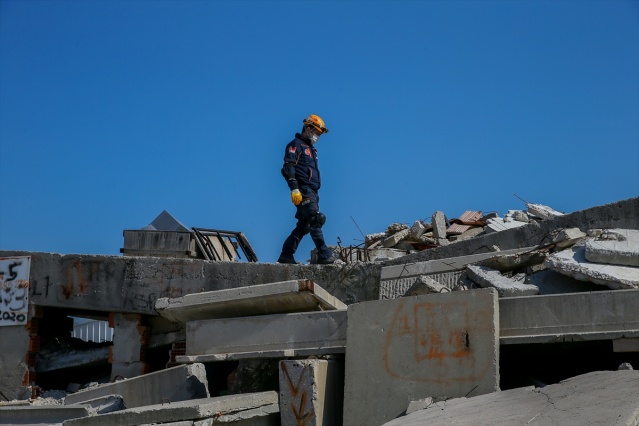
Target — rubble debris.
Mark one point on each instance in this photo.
(197, 409)
(103, 404)
(419, 405)
(625, 366)
(442, 231)
(506, 287)
(568, 237)
(425, 285)
(439, 225)
(573, 262)
(615, 247)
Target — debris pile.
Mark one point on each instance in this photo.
(400, 239)
(573, 261)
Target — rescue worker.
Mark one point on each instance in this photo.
(303, 178)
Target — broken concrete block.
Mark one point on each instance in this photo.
(193, 410)
(439, 224)
(552, 282)
(41, 415)
(395, 227)
(419, 405)
(615, 247)
(470, 233)
(568, 237)
(442, 241)
(311, 390)
(498, 224)
(395, 238)
(417, 230)
(542, 211)
(425, 285)
(572, 262)
(261, 299)
(506, 287)
(104, 404)
(263, 336)
(433, 344)
(518, 215)
(173, 384)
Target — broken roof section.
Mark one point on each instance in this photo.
(166, 222)
(168, 237)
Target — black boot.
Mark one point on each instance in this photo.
(286, 259)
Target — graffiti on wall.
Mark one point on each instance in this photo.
(14, 290)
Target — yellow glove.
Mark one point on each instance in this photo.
(296, 196)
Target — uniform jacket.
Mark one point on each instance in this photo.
(302, 156)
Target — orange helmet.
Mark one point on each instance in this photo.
(315, 121)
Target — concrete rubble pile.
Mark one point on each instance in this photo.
(535, 321)
(400, 239)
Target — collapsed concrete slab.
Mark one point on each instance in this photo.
(440, 345)
(299, 334)
(506, 287)
(615, 247)
(396, 280)
(602, 315)
(261, 299)
(597, 398)
(196, 409)
(40, 415)
(573, 263)
(311, 392)
(173, 384)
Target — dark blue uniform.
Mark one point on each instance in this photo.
(301, 172)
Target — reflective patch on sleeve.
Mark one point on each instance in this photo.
(291, 150)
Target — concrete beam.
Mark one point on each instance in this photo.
(602, 315)
(311, 392)
(261, 299)
(196, 409)
(312, 332)
(173, 384)
(134, 284)
(625, 345)
(443, 345)
(40, 415)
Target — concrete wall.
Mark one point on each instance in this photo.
(621, 214)
(14, 341)
(133, 284)
(434, 345)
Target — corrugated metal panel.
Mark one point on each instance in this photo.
(93, 331)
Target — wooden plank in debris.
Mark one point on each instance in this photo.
(468, 216)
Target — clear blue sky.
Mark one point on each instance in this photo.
(112, 111)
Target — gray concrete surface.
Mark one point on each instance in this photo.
(261, 299)
(133, 284)
(103, 404)
(40, 415)
(195, 409)
(599, 398)
(15, 344)
(572, 262)
(129, 340)
(173, 384)
(602, 315)
(506, 287)
(621, 214)
(318, 331)
(311, 392)
(440, 345)
(615, 247)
